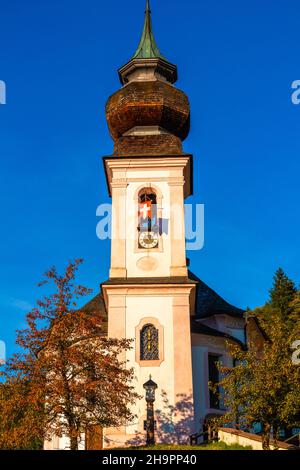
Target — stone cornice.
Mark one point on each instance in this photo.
(174, 290)
(154, 163)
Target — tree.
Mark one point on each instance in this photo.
(74, 374)
(282, 294)
(264, 385)
(20, 419)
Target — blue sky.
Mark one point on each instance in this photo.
(236, 62)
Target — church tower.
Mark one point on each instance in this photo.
(149, 295)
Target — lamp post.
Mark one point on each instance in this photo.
(150, 388)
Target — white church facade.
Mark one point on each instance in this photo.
(179, 326)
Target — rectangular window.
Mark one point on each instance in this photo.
(214, 378)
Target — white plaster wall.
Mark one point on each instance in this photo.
(63, 443)
(231, 438)
(237, 333)
(226, 324)
(138, 308)
(133, 174)
(162, 258)
(210, 321)
(199, 357)
(202, 345)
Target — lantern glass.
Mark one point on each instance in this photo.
(150, 388)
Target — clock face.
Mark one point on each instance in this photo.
(148, 240)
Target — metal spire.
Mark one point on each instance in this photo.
(147, 48)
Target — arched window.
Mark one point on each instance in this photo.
(149, 343)
(148, 220)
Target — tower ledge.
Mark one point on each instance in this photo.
(148, 69)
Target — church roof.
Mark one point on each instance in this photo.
(209, 303)
(96, 306)
(149, 280)
(199, 328)
(148, 48)
(148, 57)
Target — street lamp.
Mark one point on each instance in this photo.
(150, 388)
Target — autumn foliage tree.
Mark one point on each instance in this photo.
(73, 375)
(263, 387)
(20, 416)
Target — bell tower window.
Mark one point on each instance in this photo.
(148, 224)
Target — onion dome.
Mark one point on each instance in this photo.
(148, 115)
